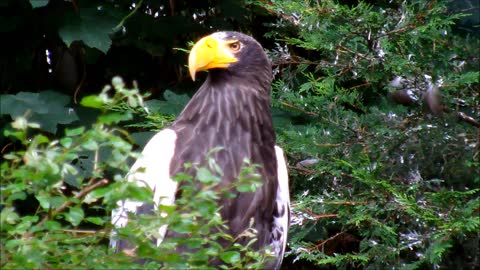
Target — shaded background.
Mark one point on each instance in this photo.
(376, 104)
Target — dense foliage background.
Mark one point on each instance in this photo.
(376, 104)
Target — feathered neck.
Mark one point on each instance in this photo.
(227, 112)
(223, 99)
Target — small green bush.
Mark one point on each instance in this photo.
(55, 207)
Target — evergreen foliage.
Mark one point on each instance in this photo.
(386, 172)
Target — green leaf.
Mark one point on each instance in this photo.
(8, 215)
(95, 195)
(39, 3)
(90, 144)
(57, 201)
(66, 142)
(93, 26)
(25, 224)
(21, 195)
(142, 194)
(71, 132)
(52, 225)
(248, 185)
(44, 199)
(75, 215)
(92, 101)
(95, 220)
(115, 117)
(173, 103)
(230, 257)
(12, 244)
(246, 188)
(205, 176)
(141, 138)
(46, 108)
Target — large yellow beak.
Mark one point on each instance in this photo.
(210, 52)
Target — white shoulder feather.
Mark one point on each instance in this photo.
(152, 169)
(282, 222)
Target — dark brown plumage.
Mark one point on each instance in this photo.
(231, 110)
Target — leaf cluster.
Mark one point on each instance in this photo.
(68, 223)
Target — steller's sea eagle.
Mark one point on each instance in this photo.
(231, 110)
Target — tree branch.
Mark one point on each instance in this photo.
(79, 196)
(324, 242)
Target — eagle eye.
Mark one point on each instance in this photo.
(235, 46)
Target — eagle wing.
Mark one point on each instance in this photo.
(281, 219)
(152, 169)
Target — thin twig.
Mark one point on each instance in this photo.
(345, 203)
(468, 119)
(357, 86)
(345, 70)
(316, 216)
(84, 231)
(400, 30)
(307, 171)
(79, 196)
(82, 81)
(5, 147)
(330, 144)
(298, 108)
(124, 19)
(361, 55)
(324, 242)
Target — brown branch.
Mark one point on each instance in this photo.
(79, 196)
(330, 144)
(400, 30)
(80, 84)
(5, 147)
(468, 119)
(316, 216)
(324, 242)
(307, 171)
(284, 16)
(361, 55)
(88, 232)
(345, 203)
(172, 7)
(357, 86)
(292, 61)
(345, 70)
(298, 109)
